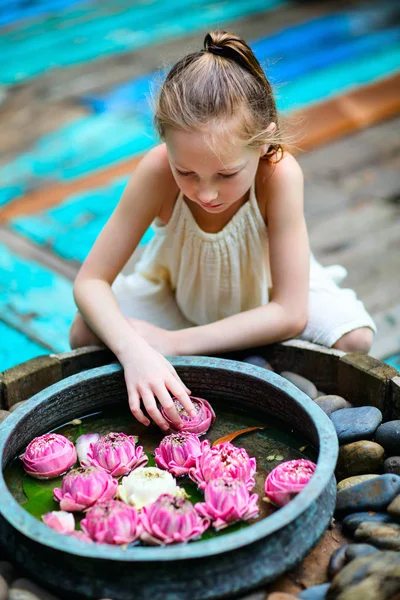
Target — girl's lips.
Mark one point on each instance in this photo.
(210, 205)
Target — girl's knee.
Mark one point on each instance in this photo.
(358, 340)
(81, 335)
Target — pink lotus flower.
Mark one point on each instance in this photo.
(288, 479)
(79, 535)
(177, 453)
(84, 486)
(223, 461)
(117, 454)
(112, 522)
(171, 520)
(60, 521)
(48, 456)
(82, 446)
(199, 424)
(227, 501)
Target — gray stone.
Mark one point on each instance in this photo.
(258, 361)
(350, 481)
(302, 383)
(392, 465)
(3, 415)
(353, 424)
(359, 458)
(388, 435)
(332, 403)
(351, 522)
(354, 551)
(17, 405)
(317, 592)
(337, 561)
(394, 508)
(374, 494)
(25, 589)
(7, 571)
(3, 589)
(373, 577)
(385, 536)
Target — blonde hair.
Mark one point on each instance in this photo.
(223, 80)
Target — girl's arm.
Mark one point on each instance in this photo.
(285, 316)
(147, 372)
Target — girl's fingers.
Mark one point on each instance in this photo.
(152, 410)
(177, 388)
(168, 405)
(175, 374)
(134, 405)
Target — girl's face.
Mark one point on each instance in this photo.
(213, 182)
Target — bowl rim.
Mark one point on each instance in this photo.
(34, 529)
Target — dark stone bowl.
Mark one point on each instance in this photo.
(217, 568)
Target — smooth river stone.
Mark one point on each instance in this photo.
(337, 561)
(373, 577)
(350, 481)
(354, 551)
(375, 494)
(385, 536)
(4, 414)
(359, 458)
(3, 589)
(7, 571)
(351, 522)
(392, 465)
(302, 383)
(394, 508)
(318, 592)
(353, 424)
(25, 589)
(331, 403)
(258, 361)
(388, 435)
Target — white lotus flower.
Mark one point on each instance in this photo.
(82, 446)
(145, 484)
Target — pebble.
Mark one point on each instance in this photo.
(359, 550)
(337, 561)
(332, 403)
(385, 536)
(24, 589)
(388, 435)
(318, 592)
(7, 571)
(302, 383)
(373, 577)
(350, 481)
(392, 465)
(359, 458)
(3, 589)
(17, 405)
(281, 596)
(258, 361)
(353, 424)
(374, 494)
(351, 522)
(4, 414)
(394, 508)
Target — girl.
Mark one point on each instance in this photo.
(229, 265)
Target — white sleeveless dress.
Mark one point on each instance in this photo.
(188, 277)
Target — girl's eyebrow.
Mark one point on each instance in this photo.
(231, 168)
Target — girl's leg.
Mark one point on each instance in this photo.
(80, 334)
(358, 340)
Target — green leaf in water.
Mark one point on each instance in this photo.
(40, 495)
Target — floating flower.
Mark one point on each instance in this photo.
(143, 486)
(82, 446)
(117, 454)
(112, 522)
(178, 452)
(171, 520)
(227, 501)
(79, 535)
(84, 486)
(49, 456)
(60, 521)
(223, 461)
(199, 424)
(286, 480)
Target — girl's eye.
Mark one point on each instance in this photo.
(182, 173)
(228, 176)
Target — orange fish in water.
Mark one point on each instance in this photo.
(231, 436)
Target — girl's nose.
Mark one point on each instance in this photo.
(207, 196)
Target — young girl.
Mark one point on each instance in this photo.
(229, 266)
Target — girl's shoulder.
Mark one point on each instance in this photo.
(160, 169)
(274, 178)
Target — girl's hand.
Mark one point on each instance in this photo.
(148, 375)
(159, 339)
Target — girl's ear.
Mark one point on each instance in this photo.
(270, 129)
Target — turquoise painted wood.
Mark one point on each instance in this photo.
(88, 33)
(16, 347)
(35, 301)
(394, 360)
(12, 11)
